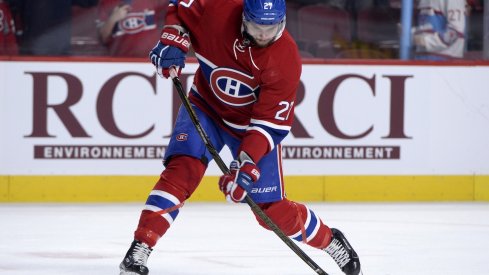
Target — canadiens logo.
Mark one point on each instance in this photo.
(233, 87)
(137, 22)
(182, 137)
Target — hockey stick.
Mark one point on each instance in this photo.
(254, 207)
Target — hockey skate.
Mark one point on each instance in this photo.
(134, 262)
(341, 251)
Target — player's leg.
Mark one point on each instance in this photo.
(186, 160)
(301, 224)
(177, 182)
(296, 220)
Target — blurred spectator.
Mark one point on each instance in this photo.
(85, 39)
(373, 30)
(8, 42)
(441, 29)
(46, 25)
(129, 27)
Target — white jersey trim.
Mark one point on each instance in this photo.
(315, 231)
(165, 195)
(251, 58)
(306, 224)
(194, 88)
(271, 125)
(235, 126)
(206, 61)
(153, 208)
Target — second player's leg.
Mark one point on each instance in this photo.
(301, 224)
(295, 219)
(298, 222)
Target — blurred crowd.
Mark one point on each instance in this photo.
(442, 29)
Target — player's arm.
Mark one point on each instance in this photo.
(270, 123)
(273, 113)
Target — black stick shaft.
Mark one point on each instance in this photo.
(254, 207)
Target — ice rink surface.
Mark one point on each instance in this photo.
(220, 238)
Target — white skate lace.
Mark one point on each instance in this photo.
(140, 253)
(339, 254)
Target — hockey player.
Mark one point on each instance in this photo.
(243, 93)
(440, 33)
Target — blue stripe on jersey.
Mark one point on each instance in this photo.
(162, 203)
(206, 67)
(206, 70)
(309, 227)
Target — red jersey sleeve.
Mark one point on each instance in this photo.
(273, 113)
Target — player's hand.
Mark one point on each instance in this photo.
(120, 12)
(238, 183)
(170, 51)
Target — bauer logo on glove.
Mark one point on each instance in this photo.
(176, 40)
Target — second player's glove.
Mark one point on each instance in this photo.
(170, 51)
(239, 182)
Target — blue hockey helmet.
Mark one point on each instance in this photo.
(264, 12)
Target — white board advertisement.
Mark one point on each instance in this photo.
(115, 118)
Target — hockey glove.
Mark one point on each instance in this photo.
(170, 51)
(236, 184)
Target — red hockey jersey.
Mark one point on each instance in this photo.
(134, 36)
(248, 90)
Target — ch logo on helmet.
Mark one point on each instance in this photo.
(267, 5)
(233, 87)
